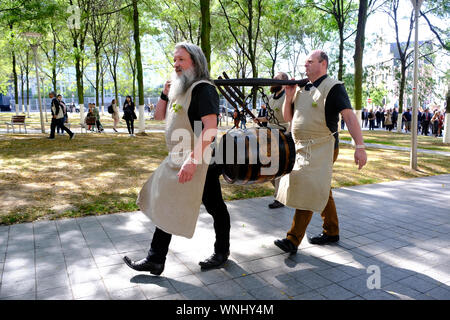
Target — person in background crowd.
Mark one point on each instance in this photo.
(394, 118)
(243, 120)
(388, 120)
(57, 117)
(115, 114)
(407, 120)
(426, 118)
(378, 117)
(97, 119)
(129, 115)
(262, 115)
(371, 117)
(59, 130)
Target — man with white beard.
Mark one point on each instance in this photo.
(172, 196)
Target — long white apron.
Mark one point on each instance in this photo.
(172, 206)
(307, 187)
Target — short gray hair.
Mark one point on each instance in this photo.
(52, 93)
(198, 58)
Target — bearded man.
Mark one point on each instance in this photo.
(172, 196)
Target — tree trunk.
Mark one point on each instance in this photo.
(341, 53)
(27, 72)
(80, 93)
(97, 77)
(22, 82)
(359, 52)
(206, 30)
(400, 97)
(140, 76)
(446, 134)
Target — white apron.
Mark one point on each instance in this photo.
(307, 187)
(172, 206)
(277, 106)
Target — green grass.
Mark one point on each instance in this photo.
(400, 140)
(98, 174)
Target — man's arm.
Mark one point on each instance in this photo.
(161, 106)
(288, 100)
(206, 137)
(355, 131)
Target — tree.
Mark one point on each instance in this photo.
(244, 25)
(363, 12)
(205, 33)
(78, 30)
(343, 13)
(98, 23)
(140, 76)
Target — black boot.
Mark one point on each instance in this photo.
(214, 261)
(276, 204)
(323, 239)
(145, 265)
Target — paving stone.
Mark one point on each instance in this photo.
(419, 284)
(226, 288)
(133, 293)
(335, 292)
(269, 293)
(44, 259)
(90, 289)
(185, 283)
(155, 290)
(62, 293)
(17, 288)
(440, 293)
(203, 293)
(212, 276)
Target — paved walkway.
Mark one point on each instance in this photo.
(396, 232)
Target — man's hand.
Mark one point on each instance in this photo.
(187, 171)
(290, 91)
(166, 87)
(360, 157)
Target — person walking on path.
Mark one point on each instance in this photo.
(57, 117)
(97, 119)
(314, 115)
(172, 196)
(129, 115)
(59, 130)
(114, 114)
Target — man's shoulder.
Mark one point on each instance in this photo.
(205, 89)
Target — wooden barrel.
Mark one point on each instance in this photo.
(255, 155)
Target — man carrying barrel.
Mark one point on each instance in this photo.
(277, 121)
(172, 196)
(314, 114)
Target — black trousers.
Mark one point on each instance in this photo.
(213, 201)
(60, 124)
(130, 125)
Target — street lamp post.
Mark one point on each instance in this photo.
(413, 159)
(34, 46)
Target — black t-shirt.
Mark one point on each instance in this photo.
(204, 101)
(336, 101)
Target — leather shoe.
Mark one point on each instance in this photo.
(214, 261)
(323, 239)
(145, 265)
(276, 204)
(286, 245)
